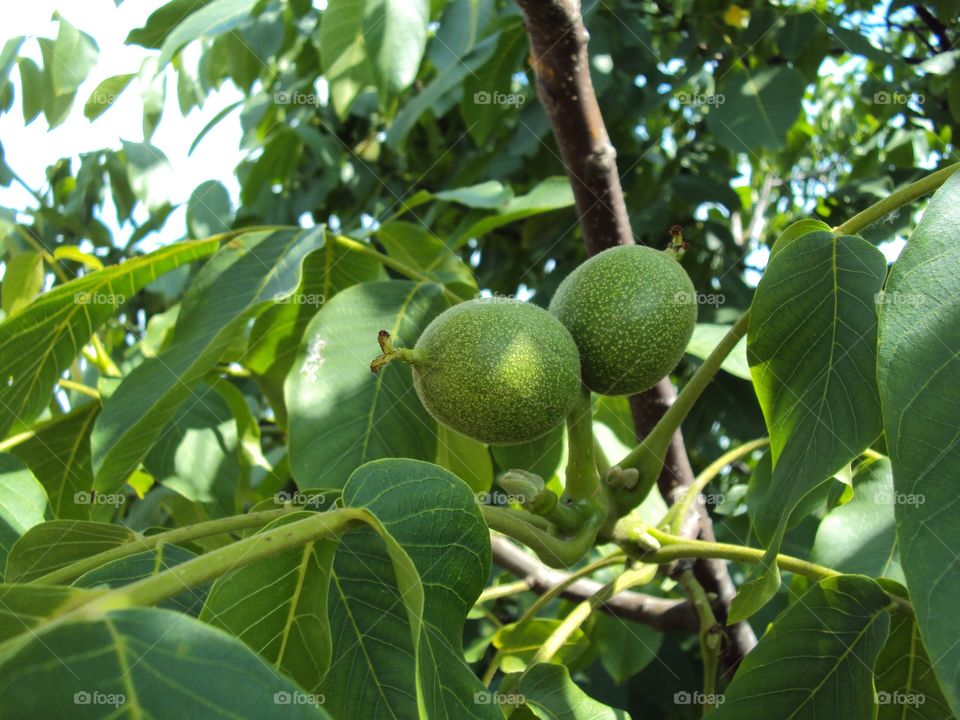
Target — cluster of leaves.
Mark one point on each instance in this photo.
(221, 382)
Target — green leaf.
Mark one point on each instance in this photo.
(487, 93)
(812, 333)
(465, 457)
(162, 21)
(8, 58)
(242, 279)
(380, 671)
(209, 21)
(23, 503)
(112, 664)
(58, 454)
(73, 56)
(340, 414)
(817, 659)
(860, 537)
(26, 606)
(39, 343)
(757, 109)
(146, 564)
(445, 81)
(906, 686)
(278, 607)
(105, 95)
(488, 194)
(519, 642)
(277, 332)
(148, 172)
(918, 367)
(706, 336)
(395, 36)
(462, 25)
(197, 453)
(552, 193)
(51, 545)
(343, 52)
(208, 210)
(625, 647)
(22, 281)
(550, 694)
(32, 88)
(418, 248)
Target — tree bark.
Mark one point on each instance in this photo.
(558, 50)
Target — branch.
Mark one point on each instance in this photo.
(558, 49)
(558, 52)
(659, 613)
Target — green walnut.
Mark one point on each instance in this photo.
(497, 370)
(631, 311)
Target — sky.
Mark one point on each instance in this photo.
(30, 149)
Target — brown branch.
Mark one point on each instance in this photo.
(558, 53)
(558, 49)
(657, 612)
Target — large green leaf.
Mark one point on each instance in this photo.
(22, 281)
(73, 56)
(395, 36)
(143, 662)
(208, 21)
(276, 334)
(51, 545)
(378, 670)
(340, 414)
(58, 454)
(278, 607)
(757, 108)
(465, 457)
(919, 376)
(859, 536)
(817, 659)
(243, 278)
(906, 686)
(25, 606)
(197, 453)
(550, 694)
(41, 341)
(416, 247)
(550, 194)
(812, 334)
(23, 503)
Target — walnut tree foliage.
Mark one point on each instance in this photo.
(210, 506)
